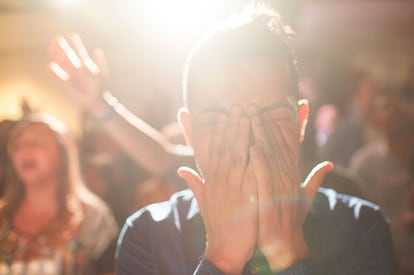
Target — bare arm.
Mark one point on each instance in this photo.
(85, 78)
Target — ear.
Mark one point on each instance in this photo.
(183, 119)
(303, 106)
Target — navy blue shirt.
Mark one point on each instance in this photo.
(344, 234)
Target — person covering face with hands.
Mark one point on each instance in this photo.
(245, 122)
(248, 155)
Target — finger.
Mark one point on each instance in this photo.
(202, 140)
(262, 175)
(249, 188)
(79, 47)
(57, 70)
(100, 60)
(215, 143)
(279, 147)
(193, 179)
(263, 150)
(282, 156)
(69, 52)
(64, 76)
(258, 130)
(240, 150)
(54, 47)
(284, 139)
(315, 178)
(226, 148)
(283, 144)
(59, 56)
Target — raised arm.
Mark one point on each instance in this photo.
(85, 78)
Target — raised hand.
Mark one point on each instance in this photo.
(225, 198)
(84, 77)
(282, 203)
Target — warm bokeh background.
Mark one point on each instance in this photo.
(146, 42)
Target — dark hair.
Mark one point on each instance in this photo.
(6, 127)
(259, 32)
(71, 191)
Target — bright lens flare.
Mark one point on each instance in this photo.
(69, 2)
(179, 16)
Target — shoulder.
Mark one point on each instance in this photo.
(334, 205)
(339, 218)
(159, 222)
(157, 231)
(348, 234)
(344, 220)
(181, 206)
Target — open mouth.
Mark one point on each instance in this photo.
(28, 164)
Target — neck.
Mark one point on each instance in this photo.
(41, 197)
(38, 209)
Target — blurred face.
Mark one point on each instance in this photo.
(249, 82)
(35, 154)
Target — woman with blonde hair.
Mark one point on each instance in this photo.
(50, 223)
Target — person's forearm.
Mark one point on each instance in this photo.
(140, 141)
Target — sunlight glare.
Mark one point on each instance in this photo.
(179, 16)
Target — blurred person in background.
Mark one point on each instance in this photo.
(328, 114)
(386, 166)
(86, 79)
(109, 172)
(50, 223)
(6, 127)
(353, 126)
(342, 98)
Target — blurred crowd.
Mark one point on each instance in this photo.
(81, 192)
(365, 125)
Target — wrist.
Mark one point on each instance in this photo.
(281, 256)
(105, 109)
(226, 265)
